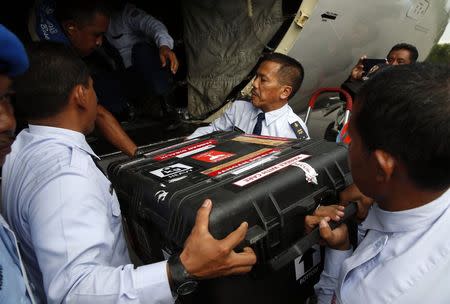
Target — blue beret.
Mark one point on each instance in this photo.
(13, 58)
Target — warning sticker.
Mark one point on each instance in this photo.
(254, 177)
(212, 156)
(239, 162)
(188, 150)
(262, 140)
(305, 264)
(172, 171)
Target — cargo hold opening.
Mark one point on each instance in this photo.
(219, 43)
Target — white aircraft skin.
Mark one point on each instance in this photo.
(328, 36)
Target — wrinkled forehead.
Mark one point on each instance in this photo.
(268, 67)
(400, 53)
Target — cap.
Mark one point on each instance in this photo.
(13, 57)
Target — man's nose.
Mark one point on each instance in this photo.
(255, 82)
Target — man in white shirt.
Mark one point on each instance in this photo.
(130, 26)
(14, 287)
(146, 49)
(65, 212)
(277, 79)
(400, 156)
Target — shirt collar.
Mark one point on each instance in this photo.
(3, 222)
(407, 220)
(272, 116)
(69, 137)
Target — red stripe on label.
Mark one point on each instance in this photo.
(266, 137)
(254, 177)
(239, 162)
(183, 150)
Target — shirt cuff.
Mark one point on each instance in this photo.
(165, 41)
(334, 259)
(153, 283)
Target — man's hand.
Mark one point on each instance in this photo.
(205, 257)
(334, 212)
(165, 53)
(352, 194)
(358, 69)
(338, 238)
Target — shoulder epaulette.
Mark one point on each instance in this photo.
(298, 130)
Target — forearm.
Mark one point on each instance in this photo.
(110, 128)
(201, 131)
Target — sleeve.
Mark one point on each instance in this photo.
(325, 288)
(224, 123)
(75, 242)
(138, 20)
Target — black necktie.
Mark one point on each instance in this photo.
(258, 126)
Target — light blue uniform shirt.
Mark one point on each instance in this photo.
(68, 222)
(404, 258)
(133, 25)
(243, 115)
(13, 283)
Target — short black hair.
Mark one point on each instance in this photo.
(43, 91)
(405, 111)
(291, 71)
(81, 11)
(413, 52)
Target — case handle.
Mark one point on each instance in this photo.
(302, 245)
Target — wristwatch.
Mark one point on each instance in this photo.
(182, 282)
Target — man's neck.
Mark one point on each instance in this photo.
(274, 107)
(408, 197)
(57, 122)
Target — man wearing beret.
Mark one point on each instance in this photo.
(14, 286)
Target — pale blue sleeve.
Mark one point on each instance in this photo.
(138, 20)
(224, 123)
(328, 283)
(73, 227)
(13, 284)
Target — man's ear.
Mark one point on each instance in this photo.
(69, 27)
(385, 163)
(79, 96)
(285, 92)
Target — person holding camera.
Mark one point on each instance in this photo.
(401, 53)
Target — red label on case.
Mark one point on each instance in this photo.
(212, 156)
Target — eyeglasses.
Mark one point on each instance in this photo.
(7, 96)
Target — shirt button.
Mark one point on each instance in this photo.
(381, 242)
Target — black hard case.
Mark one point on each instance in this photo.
(161, 210)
